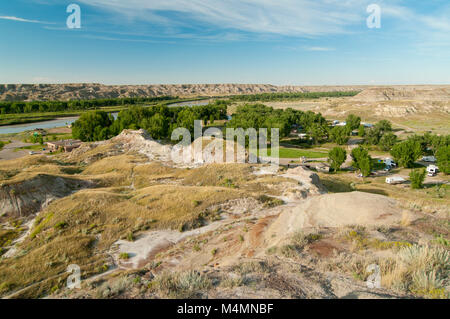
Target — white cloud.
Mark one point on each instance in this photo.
(12, 18)
(283, 17)
(322, 49)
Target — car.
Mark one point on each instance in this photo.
(31, 152)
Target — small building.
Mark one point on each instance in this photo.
(367, 125)
(65, 145)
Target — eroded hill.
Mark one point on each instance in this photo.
(140, 226)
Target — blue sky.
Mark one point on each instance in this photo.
(283, 42)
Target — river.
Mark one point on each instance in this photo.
(64, 121)
(59, 122)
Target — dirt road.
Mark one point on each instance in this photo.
(8, 153)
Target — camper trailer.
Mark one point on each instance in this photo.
(432, 170)
(390, 162)
(430, 159)
(395, 180)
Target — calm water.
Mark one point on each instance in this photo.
(17, 128)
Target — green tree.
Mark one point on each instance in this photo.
(417, 177)
(443, 159)
(336, 157)
(156, 126)
(92, 126)
(406, 153)
(353, 122)
(362, 160)
(339, 135)
(318, 132)
(384, 126)
(373, 136)
(361, 131)
(387, 141)
(365, 166)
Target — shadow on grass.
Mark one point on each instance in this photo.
(336, 186)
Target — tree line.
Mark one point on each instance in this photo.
(8, 107)
(158, 120)
(266, 97)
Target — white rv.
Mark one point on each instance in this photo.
(432, 170)
(395, 180)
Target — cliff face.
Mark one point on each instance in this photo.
(27, 197)
(42, 92)
(419, 93)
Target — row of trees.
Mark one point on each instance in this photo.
(404, 153)
(266, 97)
(158, 120)
(59, 106)
(260, 116)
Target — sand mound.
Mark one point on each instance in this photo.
(336, 210)
(140, 141)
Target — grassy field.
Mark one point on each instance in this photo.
(297, 153)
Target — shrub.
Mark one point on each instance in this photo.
(417, 177)
(182, 285)
(124, 256)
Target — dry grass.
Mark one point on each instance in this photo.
(185, 285)
(178, 206)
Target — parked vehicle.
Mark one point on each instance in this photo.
(432, 170)
(431, 159)
(390, 162)
(395, 180)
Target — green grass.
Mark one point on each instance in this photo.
(36, 147)
(297, 153)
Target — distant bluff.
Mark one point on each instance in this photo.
(85, 91)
